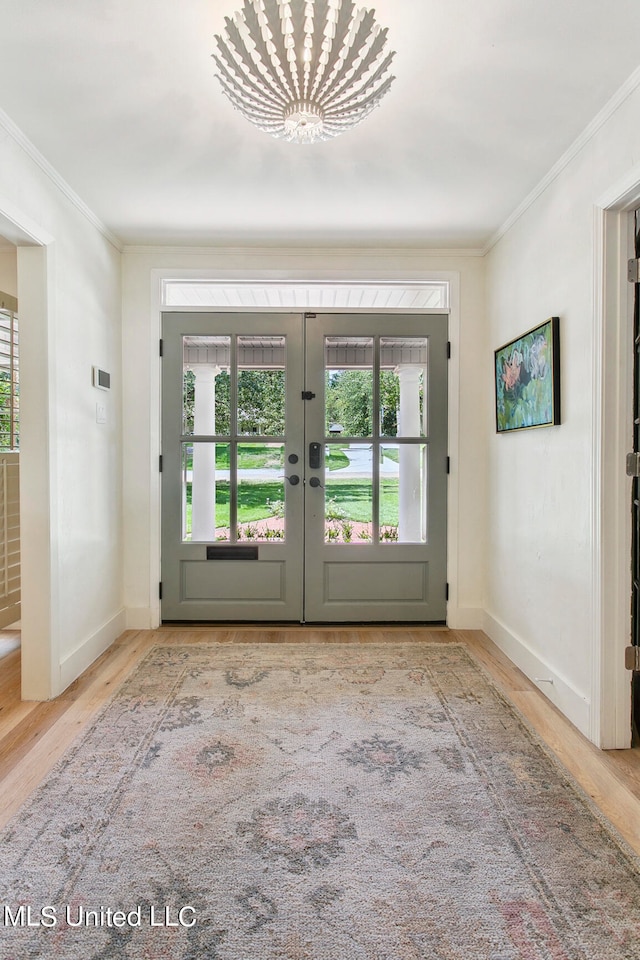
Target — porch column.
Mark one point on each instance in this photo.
(203, 485)
(410, 506)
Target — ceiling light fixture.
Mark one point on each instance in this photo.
(303, 70)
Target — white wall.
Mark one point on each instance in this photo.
(141, 330)
(543, 504)
(8, 272)
(70, 314)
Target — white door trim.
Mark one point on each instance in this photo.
(40, 629)
(456, 617)
(612, 438)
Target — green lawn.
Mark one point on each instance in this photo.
(252, 501)
(250, 457)
(335, 458)
(351, 499)
(257, 456)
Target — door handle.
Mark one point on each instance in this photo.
(294, 479)
(314, 455)
(315, 482)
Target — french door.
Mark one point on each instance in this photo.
(304, 467)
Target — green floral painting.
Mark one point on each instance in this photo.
(527, 374)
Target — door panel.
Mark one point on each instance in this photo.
(232, 417)
(377, 583)
(375, 544)
(322, 505)
(233, 580)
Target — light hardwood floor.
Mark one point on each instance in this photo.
(34, 735)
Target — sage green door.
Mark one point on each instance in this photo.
(232, 497)
(376, 506)
(304, 467)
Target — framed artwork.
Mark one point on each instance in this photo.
(527, 377)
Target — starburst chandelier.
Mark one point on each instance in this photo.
(303, 70)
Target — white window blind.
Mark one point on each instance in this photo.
(9, 382)
(9, 469)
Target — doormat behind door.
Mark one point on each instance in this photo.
(332, 803)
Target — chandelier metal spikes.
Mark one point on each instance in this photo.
(303, 70)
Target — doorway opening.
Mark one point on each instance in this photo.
(304, 467)
(635, 501)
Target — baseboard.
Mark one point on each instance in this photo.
(140, 618)
(575, 706)
(465, 618)
(82, 658)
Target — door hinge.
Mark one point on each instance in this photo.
(446, 591)
(310, 316)
(633, 464)
(160, 463)
(633, 271)
(632, 658)
(448, 464)
(160, 590)
(161, 348)
(448, 349)
(308, 395)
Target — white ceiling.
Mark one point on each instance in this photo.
(120, 97)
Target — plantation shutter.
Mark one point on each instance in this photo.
(9, 466)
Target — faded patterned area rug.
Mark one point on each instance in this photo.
(312, 803)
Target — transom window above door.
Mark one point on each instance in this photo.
(304, 295)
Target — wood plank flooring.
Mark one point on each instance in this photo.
(34, 735)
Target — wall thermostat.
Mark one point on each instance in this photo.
(100, 378)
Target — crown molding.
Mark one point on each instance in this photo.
(16, 134)
(625, 91)
(301, 251)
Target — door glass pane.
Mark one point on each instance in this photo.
(403, 372)
(261, 386)
(348, 505)
(403, 501)
(205, 491)
(205, 386)
(348, 386)
(261, 492)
